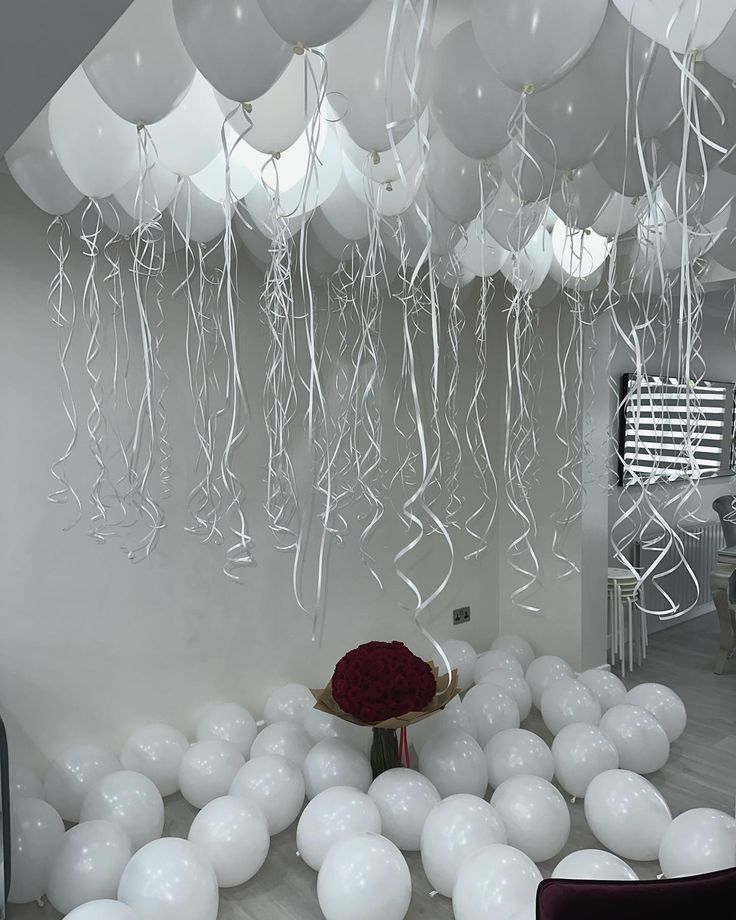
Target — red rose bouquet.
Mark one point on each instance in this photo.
(384, 685)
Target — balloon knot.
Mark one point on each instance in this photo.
(389, 187)
(528, 89)
(375, 158)
(247, 107)
(298, 48)
(276, 155)
(140, 126)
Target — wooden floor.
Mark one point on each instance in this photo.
(701, 772)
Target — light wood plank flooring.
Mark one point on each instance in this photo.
(701, 772)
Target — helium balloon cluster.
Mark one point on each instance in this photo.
(247, 781)
(369, 157)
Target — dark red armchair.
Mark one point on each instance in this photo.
(696, 897)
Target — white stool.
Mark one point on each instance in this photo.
(623, 596)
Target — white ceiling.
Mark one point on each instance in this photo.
(41, 43)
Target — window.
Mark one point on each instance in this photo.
(671, 430)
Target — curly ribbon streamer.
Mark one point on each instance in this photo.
(240, 553)
(418, 502)
(61, 283)
(145, 445)
(97, 424)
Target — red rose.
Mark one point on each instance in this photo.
(381, 680)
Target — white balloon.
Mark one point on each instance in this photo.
(514, 685)
(535, 815)
(335, 763)
(130, 800)
(189, 138)
(638, 737)
(33, 164)
(25, 783)
(276, 785)
(617, 216)
(572, 127)
(88, 864)
(288, 704)
(207, 770)
(335, 814)
(156, 751)
(388, 165)
(595, 864)
(470, 103)
(492, 710)
(96, 149)
(680, 25)
(312, 22)
(578, 256)
(496, 659)
(279, 116)
(566, 701)
(517, 751)
(664, 704)
(362, 878)
(404, 799)
(720, 53)
(452, 760)
(528, 269)
(370, 101)
(479, 252)
(609, 689)
(197, 217)
(511, 222)
(582, 195)
(228, 722)
(627, 814)
(528, 175)
(498, 881)
(453, 716)
(140, 67)
(462, 657)
(697, 841)
(542, 671)
(454, 832)
(147, 199)
(233, 45)
(103, 910)
(232, 833)
(212, 180)
(285, 738)
(169, 879)
(73, 773)
(321, 725)
(453, 180)
(388, 198)
(518, 646)
(531, 44)
(580, 753)
(346, 212)
(36, 833)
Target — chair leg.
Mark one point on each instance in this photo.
(613, 635)
(621, 629)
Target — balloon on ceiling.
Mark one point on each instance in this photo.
(372, 157)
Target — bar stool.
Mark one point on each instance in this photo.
(623, 597)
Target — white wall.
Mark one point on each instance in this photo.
(92, 645)
(569, 596)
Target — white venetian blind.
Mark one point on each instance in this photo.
(672, 430)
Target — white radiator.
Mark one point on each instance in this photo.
(670, 581)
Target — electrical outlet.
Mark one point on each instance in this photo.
(460, 615)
